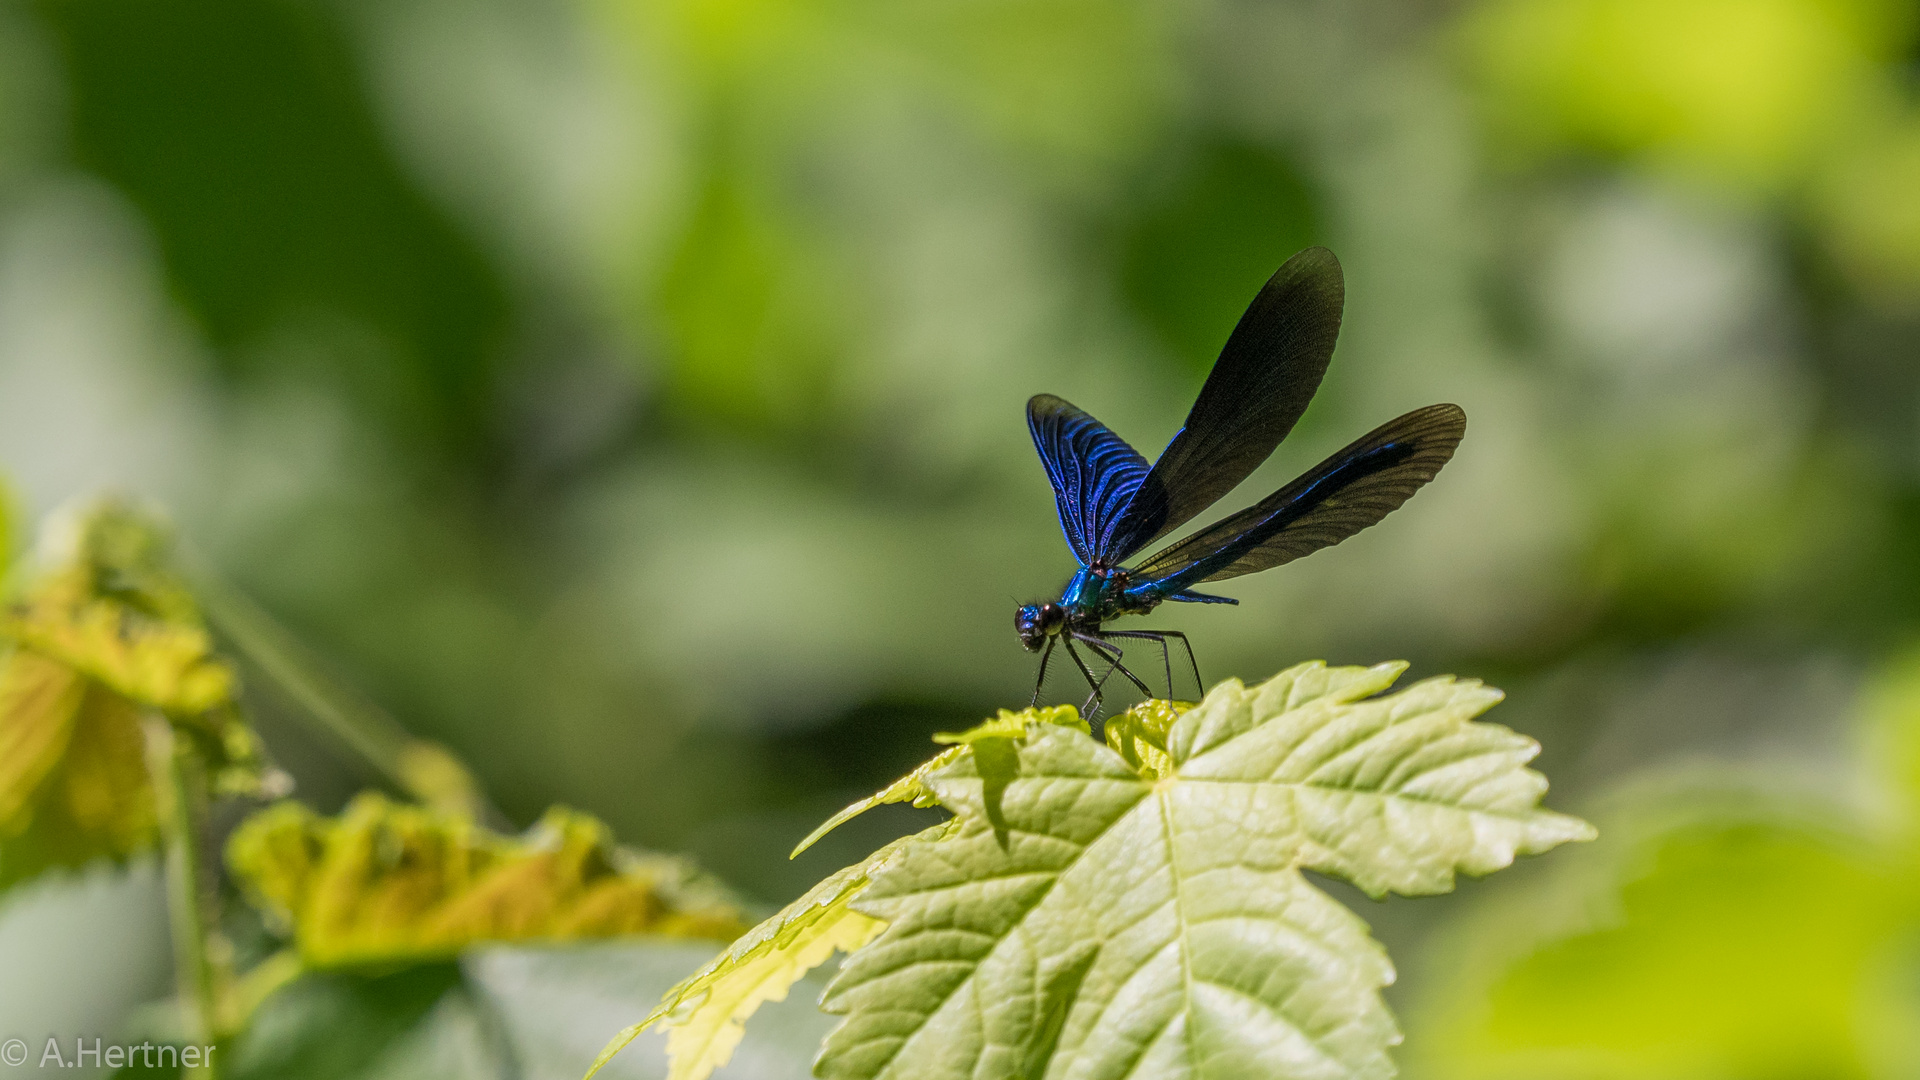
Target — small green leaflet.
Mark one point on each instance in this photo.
(1094, 915)
(913, 786)
(706, 1014)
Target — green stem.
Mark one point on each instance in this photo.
(180, 784)
(422, 770)
(363, 729)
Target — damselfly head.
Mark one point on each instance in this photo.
(1035, 622)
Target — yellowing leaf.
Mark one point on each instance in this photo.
(913, 788)
(109, 606)
(706, 1038)
(106, 783)
(38, 700)
(706, 1014)
(430, 773)
(385, 882)
(168, 666)
(73, 776)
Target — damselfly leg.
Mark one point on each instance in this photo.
(1166, 656)
(1103, 647)
(1041, 681)
(1111, 653)
(1093, 699)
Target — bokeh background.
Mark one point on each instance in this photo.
(628, 394)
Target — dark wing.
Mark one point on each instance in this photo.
(1266, 374)
(1342, 495)
(1094, 471)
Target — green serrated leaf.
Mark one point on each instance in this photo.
(1091, 918)
(1010, 724)
(913, 786)
(706, 1015)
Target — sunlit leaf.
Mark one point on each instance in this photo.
(913, 786)
(705, 1016)
(384, 883)
(1009, 725)
(1140, 735)
(1090, 917)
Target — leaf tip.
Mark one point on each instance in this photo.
(1393, 668)
(618, 1043)
(821, 830)
(1566, 829)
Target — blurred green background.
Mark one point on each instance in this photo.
(628, 393)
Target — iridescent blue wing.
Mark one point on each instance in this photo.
(1342, 495)
(1094, 471)
(1266, 374)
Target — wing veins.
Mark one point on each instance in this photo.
(1094, 472)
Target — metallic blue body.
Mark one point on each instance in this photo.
(1096, 595)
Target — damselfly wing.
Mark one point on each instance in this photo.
(1112, 503)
